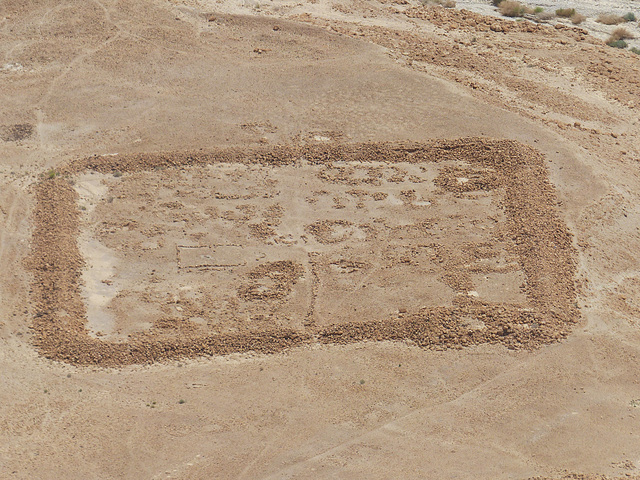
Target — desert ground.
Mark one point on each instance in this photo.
(590, 10)
(320, 239)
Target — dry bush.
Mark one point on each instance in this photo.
(442, 3)
(577, 18)
(620, 33)
(511, 8)
(545, 16)
(565, 12)
(610, 19)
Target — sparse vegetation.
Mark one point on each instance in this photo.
(442, 3)
(621, 33)
(51, 174)
(635, 50)
(565, 12)
(629, 17)
(511, 8)
(545, 15)
(618, 43)
(577, 18)
(181, 401)
(610, 19)
(538, 10)
(496, 3)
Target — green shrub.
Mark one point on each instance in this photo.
(538, 10)
(618, 44)
(629, 17)
(565, 12)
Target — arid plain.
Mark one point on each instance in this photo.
(349, 239)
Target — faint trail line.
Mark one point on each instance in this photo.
(77, 60)
(9, 218)
(122, 30)
(260, 454)
(386, 426)
(163, 47)
(45, 15)
(107, 14)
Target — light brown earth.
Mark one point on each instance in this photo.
(124, 258)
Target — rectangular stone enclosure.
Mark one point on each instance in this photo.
(147, 257)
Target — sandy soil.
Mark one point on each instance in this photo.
(102, 85)
(333, 238)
